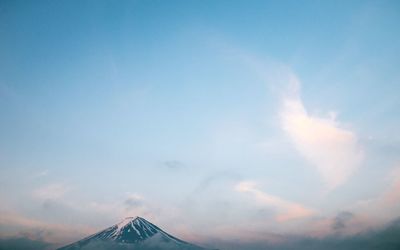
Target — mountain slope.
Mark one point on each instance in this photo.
(132, 233)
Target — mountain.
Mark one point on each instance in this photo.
(132, 233)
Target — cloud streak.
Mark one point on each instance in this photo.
(286, 210)
(15, 224)
(333, 150)
(52, 191)
(384, 206)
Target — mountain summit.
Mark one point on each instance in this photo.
(132, 233)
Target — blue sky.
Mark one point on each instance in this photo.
(275, 115)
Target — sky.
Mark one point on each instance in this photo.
(233, 120)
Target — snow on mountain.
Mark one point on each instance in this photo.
(132, 233)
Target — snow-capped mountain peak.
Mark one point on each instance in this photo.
(134, 231)
(131, 229)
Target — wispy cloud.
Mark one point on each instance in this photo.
(14, 224)
(41, 174)
(286, 210)
(56, 225)
(323, 142)
(133, 201)
(391, 196)
(364, 214)
(51, 191)
(174, 164)
(386, 205)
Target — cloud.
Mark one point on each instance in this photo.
(13, 224)
(174, 164)
(341, 220)
(286, 210)
(391, 196)
(40, 174)
(384, 206)
(386, 237)
(61, 219)
(323, 142)
(133, 201)
(214, 178)
(52, 191)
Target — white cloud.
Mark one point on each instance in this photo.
(332, 149)
(286, 210)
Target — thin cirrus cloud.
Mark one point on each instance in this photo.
(51, 191)
(41, 174)
(384, 206)
(333, 150)
(286, 210)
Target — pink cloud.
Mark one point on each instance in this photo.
(386, 205)
(286, 210)
(14, 224)
(391, 196)
(333, 150)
